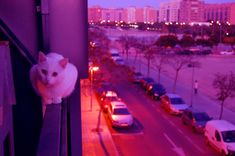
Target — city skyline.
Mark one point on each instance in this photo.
(138, 3)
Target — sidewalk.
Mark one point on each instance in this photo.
(96, 137)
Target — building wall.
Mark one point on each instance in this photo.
(191, 11)
(220, 12)
(181, 11)
(169, 12)
(94, 14)
(149, 14)
(20, 17)
(139, 15)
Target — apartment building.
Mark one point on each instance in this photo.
(220, 12)
(169, 11)
(181, 11)
(191, 11)
(149, 14)
(129, 14)
(94, 14)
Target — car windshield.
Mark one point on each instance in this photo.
(158, 87)
(121, 111)
(201, 117)
(114, 54)
(112, 98)
(176, 101)
(228, 136)
(149, 80)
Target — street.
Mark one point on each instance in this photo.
(155, 131)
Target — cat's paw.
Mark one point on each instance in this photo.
(57, 100)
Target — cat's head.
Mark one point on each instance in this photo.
(51, 69)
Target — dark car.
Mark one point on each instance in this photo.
(156, 90)
(136, 77)
(102, 87)
(195, 119)
(145, 81)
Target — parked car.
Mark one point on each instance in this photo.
(119, 61)
(108, 93)
(146, 80)
(155, 90)
(173, 103)
(136, 77)
(119, 114)
(114, 57)
(195, 119)
(220, 135)
(227, 52)
(102, 88)
(107, 101)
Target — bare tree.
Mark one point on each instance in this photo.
(178, 62)
(149, 55)
(159, 61)
(225, 86)
(127, 42)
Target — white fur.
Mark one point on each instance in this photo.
(53, 88)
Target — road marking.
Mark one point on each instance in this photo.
(178, 150)
(196, 146)
(172, 123)
(180, 131)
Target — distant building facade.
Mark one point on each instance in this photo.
(94, 14)
(181, 11)
(191, 11)
(169, 11)
(129, 14)
(220, 12)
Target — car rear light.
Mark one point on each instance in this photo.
(194, 121)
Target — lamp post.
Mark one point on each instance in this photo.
(92, 70)
(192, 65)
(220, 31)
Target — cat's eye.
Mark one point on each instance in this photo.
(54, 74)
(44, 71)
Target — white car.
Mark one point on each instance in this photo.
(220, 135)
(227, 52)
(119, 114)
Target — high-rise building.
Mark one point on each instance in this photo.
(131, 14)
(94, 14)
(169, 11)
(191, 11)
(149, 14)
(181, 11)
(220, 12)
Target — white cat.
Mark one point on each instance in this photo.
(53, 77)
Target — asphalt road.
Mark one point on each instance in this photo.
(155, 133)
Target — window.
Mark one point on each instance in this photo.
(228, 136)
(217, 136)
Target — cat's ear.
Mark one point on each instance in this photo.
(64, 62)
(41, 57)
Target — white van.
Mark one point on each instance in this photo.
(220, 134)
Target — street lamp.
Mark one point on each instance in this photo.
(192, 65)
(92, 70)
